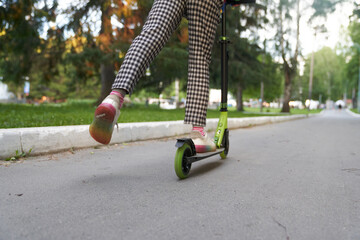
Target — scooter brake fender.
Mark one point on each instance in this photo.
(180, 142)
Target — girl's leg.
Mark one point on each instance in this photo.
(203, 19)
(163, 19)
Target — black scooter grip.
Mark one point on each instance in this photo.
(238, 2)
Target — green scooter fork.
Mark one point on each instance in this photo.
(220, 130)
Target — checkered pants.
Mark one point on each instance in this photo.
(164, 17)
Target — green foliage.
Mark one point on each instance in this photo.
(352, 69)
(285, 23)
(71, 68)
(329, 75)
(353, 65)
(286, 39)
(111, 48)
(20, 43)
(246, 70)
(356, 9)
(272, 77)
(169, 65)
(354, 30)
(323, 7)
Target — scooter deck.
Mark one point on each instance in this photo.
(200, 156)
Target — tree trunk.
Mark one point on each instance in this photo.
(106, 40)
(107, 79)
(239, 99)
(354, 99)
(177, 93)
(261, 96)
(289, 70)
(287, 91)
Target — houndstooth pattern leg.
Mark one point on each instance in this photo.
(163, 19)
(203, 17)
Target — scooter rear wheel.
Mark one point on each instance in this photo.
(182, 167)
(225, 144)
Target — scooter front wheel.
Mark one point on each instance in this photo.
(182, 167)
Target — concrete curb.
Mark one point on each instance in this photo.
(53, 139)
(352, 113)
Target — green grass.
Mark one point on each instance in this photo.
(305, 111)
(26, 115)
(265, 110)
(277, 111)
(82, 112)
(354, 110)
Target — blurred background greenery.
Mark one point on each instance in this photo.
(73, 50)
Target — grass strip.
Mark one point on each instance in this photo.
(354, 110)
(82, 113)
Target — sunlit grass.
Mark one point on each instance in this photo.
(82, 112)
(278, 110)
(354, 110)
(305, 111)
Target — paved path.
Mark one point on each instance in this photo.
(292, 180)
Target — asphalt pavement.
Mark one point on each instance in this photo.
(291, 180)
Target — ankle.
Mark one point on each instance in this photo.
(120, 91)
(199, 129)
(117, 93)
(120, 94)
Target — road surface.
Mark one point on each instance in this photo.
(292, 180)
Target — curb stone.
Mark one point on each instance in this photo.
(352, 113)
(44, 140)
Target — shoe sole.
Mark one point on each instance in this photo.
(204, 149)
(103, 124)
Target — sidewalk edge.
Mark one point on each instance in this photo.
(352, 113)
(54, 139)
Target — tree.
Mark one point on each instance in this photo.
(21, 46)
(244, 68)
(105, 47)
(110, 46)
(323, 8)
(329, 80)
(287, 43)
(353, 66)
(286, 18)
(272, 77)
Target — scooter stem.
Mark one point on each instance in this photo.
(224, 41)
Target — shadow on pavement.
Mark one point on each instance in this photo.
(205, 168)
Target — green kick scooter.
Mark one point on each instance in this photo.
(186, 154)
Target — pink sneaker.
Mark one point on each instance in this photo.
(202, 143)
(106, 116)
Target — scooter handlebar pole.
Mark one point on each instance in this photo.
(224, 61)
(224, 41)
